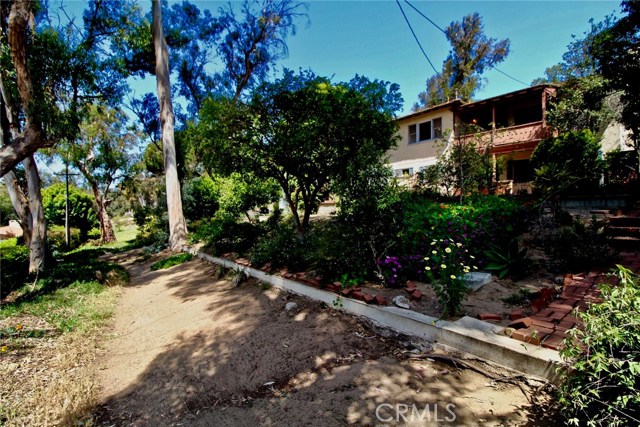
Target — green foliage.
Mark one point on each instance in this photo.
(57, 240)
(512, 262)
(223, 233)
(601, 383)
(302, 131)
(621, 171)
(200, 198)
(582, 103)
(618, 58)
(242, 193)
(171, 261)
(578, 247)
(283, 247)
(447, 262)
(471, 53)
(14, 266)
(81, 207)
(569, 163)
(480, 222)
(461, 169)
(6, 208)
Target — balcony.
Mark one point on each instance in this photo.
(512, 138)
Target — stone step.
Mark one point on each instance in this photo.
(624, 221)
(625, 242)
(624, 231)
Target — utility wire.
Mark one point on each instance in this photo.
(445, 33)
(426, 17)
(416, 37)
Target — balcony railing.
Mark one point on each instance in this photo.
(511, 135)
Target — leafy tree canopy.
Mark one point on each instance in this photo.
(82, 214)
(303, 131)
(472, 52)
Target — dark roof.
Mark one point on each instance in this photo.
(452, 104)
(457, 103)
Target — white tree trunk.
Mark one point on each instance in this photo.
(38, 244)
(177, 225)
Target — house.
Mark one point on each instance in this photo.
(509, 126)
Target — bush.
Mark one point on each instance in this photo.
(577, 247)
(284, 247)
(567, 164)
(200, 198)
(57, 241)
(14, 266)
(81, 212)
(223, 233)
(601, 383)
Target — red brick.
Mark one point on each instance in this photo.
(557, 316)
(368, 298)
(554, 342)
(556, 307)
(380, 300)
(527, 335)
(521, 323)
(540, 323)
(416, 294)
(516, 314)
(346, 292)
(489, 316)
(333, 288)
(357, 295)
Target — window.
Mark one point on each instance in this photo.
(413, 136)
(425, 130)
(407, 172)
(519, 171)
(437, 127)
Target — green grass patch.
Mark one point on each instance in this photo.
(171, 261)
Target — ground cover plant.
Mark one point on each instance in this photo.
(602, 380)
(171, 261)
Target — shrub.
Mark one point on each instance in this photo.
(569, 163)
(577, 247)
(81, 212)
(223, 233)
(283, 247)
(200, 198)
(14, 266)
(57, 241)
(601, 383)
(447, 263)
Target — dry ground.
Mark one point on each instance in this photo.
(187, 349)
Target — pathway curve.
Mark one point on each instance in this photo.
(187, 349)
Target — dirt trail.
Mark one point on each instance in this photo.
(189, 350)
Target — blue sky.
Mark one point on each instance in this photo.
(371, 38)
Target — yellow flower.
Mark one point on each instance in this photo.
(472, 257)
(3, 349)
(18, 326)
(443, 266)
(448, 250)
(434, 252)
(475, 268)
(433, 243)
(453, 276)
(427, 268)
(426, 258)
(458, 244)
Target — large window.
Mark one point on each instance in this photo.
(519, 171)
(425, 131)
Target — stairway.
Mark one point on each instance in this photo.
(624, 231)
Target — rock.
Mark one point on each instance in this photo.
(290, 306)
(401, 302)
(508, 331)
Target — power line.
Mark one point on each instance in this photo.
(445, 33)
(426, 17)
(416, 37)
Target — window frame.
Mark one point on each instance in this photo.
(414, 134)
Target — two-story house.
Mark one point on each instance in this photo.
(509, 126)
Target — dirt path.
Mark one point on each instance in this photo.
(190, 350)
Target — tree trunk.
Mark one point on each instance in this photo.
(20, 205)
(106, 228)
(177, 225)
(38, 244)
